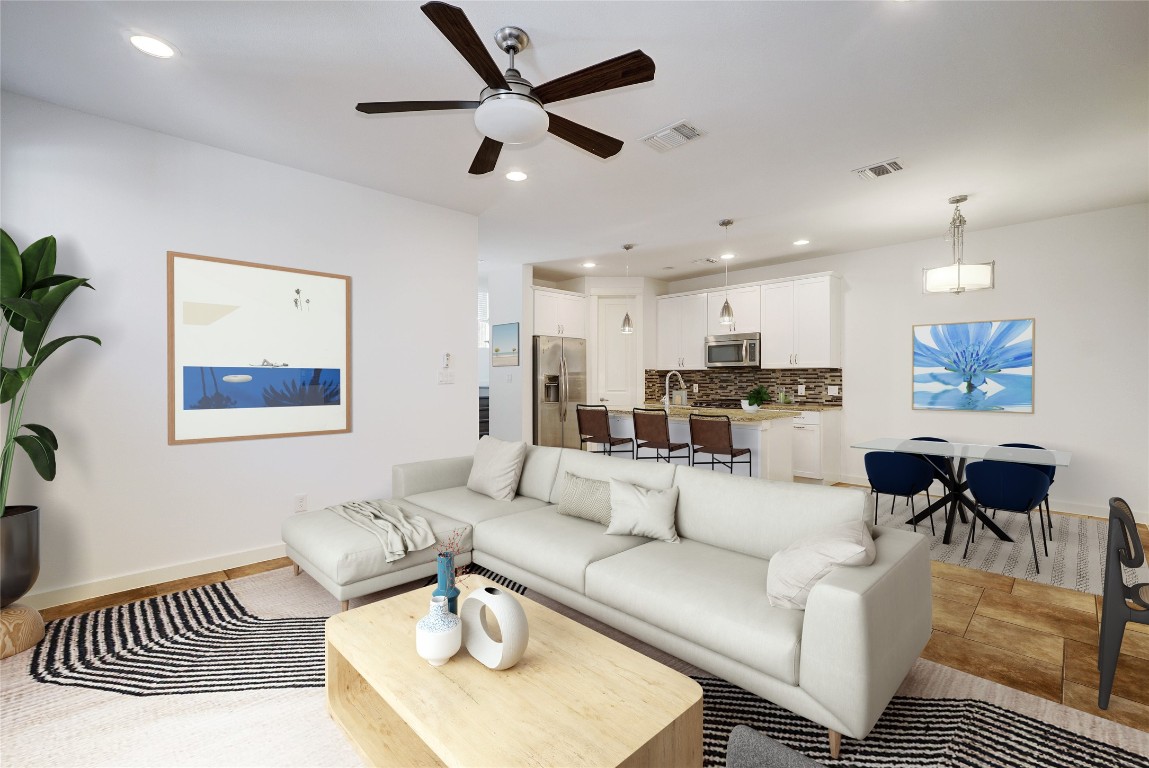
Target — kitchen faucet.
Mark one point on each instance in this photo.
(680, 382)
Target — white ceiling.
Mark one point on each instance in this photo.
(1033, 109)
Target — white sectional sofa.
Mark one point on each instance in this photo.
(702, 598)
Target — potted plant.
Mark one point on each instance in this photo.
(755, 397)
(31, 293)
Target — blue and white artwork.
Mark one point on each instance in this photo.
(986, 366)
(505, 345)
(258, 387)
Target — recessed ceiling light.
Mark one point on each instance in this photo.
(801, 242)
(152, 46)
(516, 176)
(727, 256)
(589, 264)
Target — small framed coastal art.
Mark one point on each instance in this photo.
(504, 345)
(984, 366)
(256, 351)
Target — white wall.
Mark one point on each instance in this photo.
(118, 198)
(1085, 280)
(512, 301)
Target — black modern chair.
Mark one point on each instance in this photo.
(1123, 549)
(652, 431)
(1048, 470)
(898, 474)
(1010, 487)
(939, 465)
(713, 435)
(594, 427)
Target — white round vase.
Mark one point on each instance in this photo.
(512, 622)
(439, 634)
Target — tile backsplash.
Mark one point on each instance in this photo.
(719, 384)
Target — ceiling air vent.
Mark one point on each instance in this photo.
(879, 169)
(672, 136)
(707, 260)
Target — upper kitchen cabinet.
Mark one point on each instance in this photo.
(747, 305)
(682, 332)
(560, 313)
(802, 323)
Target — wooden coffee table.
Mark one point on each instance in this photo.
(576, 698)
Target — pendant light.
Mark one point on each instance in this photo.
(627, 325)
(726, 316)
(958, 277)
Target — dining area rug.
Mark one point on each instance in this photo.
(1076, 558)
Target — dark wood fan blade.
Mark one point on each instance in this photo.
(628, 69)
(592, 141)
(453, 23)
(486, 157)
(383, 107)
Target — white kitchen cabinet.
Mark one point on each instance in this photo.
(747, 305)
(801, 323)
(682, 332)
(560, 314)
(817, 445)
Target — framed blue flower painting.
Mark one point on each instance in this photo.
(985, 366)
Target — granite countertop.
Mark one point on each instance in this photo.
(804, 406)
(679, 413)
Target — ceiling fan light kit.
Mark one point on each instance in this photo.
(510, 109)
(958, 277)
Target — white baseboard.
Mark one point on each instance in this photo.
(42, 600)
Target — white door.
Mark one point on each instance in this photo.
(617, 360)
(807, 451)
(778, 325)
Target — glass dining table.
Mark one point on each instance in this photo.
(956, 497)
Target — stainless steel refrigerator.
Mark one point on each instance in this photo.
(560, 384)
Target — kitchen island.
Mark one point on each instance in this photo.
(767, 433)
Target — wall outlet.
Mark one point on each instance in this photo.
(300, 503)
(446, 376)
(801, 389)
(832, 390)
(696, 389)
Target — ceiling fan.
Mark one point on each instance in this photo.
(510, 109)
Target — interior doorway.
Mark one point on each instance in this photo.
(616, 354)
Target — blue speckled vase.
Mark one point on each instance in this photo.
(439, 634)
(447, 586)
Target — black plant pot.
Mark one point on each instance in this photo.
(19, 552)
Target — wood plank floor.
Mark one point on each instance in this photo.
(1028, 636)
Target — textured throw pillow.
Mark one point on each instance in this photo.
(795, 570)
(586, 498)
(638, 511)
(497, 468)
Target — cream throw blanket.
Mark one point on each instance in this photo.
(397, 532)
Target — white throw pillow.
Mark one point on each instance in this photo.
(795, 570)
(638, 511)
(497, 468)
(585, 498)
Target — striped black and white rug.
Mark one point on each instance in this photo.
(205, 641)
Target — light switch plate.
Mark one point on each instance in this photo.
(832, 390)
(446, 376)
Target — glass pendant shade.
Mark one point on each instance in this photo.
(512, 119)
(726, 316)
(627, 325)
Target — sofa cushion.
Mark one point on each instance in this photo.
(347, 553)
(548, 544)
(703, 594)
(466, 505)
(648, 474)
(639, 511)
(795, 570)
(585, 498)
(540, 471)
(755, 516)
(497, 467)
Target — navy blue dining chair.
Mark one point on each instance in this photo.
(1050, 471)
(898, 474)
(1009, 487)
(938, 464)
(1123, 549)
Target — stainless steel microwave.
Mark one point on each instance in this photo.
(733, 350)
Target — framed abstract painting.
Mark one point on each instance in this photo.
(256, 351)
(984, 366)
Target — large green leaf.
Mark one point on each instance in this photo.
(50, 280)
(45, 434)
(12, 379)
(11, 268)
(42, 455)
(26, 308)
(39, 261)
(51, 302)
(55, 344)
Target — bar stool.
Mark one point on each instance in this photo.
(715, 436)
(594, 427)
(652, 431)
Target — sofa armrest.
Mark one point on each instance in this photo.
(864, 628)
(432, 475)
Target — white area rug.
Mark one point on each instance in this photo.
(1076, 554)
(55, 725)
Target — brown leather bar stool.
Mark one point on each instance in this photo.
(594, 427)
(715, 436)
(652, 431)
